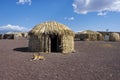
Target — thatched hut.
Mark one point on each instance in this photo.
(51, 37)
(8, 36)
(12, 35)
(89, 35)
(114, 37)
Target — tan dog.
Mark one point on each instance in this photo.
(36, 56)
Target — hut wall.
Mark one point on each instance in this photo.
(25, 35)
(67, 44)
(83, 36)
(8, 36)
(34, 44)
(1, 36)
(17, 36)
(77, 36)
(40, 44)
(99, 37)
(64, 44)
(88, 37)
(92, 37)
(46, 44)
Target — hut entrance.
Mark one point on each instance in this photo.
(55, 43)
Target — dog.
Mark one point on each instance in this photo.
(37, 56)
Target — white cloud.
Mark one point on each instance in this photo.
(10, 27)
(100, 6)
(24, 1)
(70, 19)
(102, 13)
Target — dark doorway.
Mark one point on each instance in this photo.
(55, 43)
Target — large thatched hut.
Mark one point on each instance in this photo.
(89, 35)
(51, 37)
(114, 37)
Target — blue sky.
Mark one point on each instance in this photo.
(79, 15)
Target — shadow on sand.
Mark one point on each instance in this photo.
(22, 49)
(26, 49)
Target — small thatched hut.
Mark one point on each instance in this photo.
(8, 36)
(89, 35)
(51, 37)
(114, 37)
(12, 35)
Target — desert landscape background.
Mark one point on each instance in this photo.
(93, 60)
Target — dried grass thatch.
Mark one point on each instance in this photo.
(25, 34)
(12, 35)
(89, 35)
(51, 37)
(17, 36)
(114, 37)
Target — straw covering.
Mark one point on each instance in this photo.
(51, 28)
(114, 37)
(51, 37)
(89, 35)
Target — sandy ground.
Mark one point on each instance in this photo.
(92, 61)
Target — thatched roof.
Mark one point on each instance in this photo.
(51, 28)
(89, 32)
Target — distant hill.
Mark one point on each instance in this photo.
(6, 31)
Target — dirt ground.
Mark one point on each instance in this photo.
(92, 61)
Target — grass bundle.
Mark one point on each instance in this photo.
(89, 35)
(114, 37)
